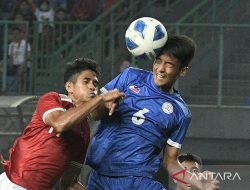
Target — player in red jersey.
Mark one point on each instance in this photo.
(54, 144)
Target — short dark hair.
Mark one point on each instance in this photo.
(188, 157)
(181, 47)
(79, 65)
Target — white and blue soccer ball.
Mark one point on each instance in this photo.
(145, 37)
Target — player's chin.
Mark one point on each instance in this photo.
(160, 82)
(92, 96)
(86, 99)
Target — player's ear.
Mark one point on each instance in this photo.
(68, 86)
(184, 71)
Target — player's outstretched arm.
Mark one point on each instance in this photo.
(108, 107)
(177, 172)
(62, 121)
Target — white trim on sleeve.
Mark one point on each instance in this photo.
(51, 110)
(103, 90)
(65, 98)
(174, 144)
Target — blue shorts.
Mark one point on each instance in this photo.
(101, 182)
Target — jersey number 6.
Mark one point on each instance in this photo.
(138, 118)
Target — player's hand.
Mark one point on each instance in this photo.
(113, 95)
(209, 183)
(111, 99)
(76, 186)
(111, 106)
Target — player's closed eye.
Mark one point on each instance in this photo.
(157, 61)
(85, 81)
(167, 64)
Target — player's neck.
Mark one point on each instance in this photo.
(168, 90)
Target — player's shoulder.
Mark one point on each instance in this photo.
(50, 97)
(136, 73)
(136, 70)
(50, 94)
(183, 107)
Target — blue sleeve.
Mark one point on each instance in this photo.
(120, 82)
(177, 136)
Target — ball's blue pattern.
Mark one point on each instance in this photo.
(140, 27)
(130, 44)
(158, 33)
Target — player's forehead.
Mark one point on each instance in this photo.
(87, 74)
(168, 58)
(190, 165)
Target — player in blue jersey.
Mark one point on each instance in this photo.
(124, 152)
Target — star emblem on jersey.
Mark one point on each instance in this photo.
(134, 89)
(167, 107)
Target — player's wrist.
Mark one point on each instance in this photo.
(101, 98)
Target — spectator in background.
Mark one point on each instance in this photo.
(124, 65)
(23, 8)
(63, 31)
(61, 15)
(19, 54)
(43, 13)
(85, 10)
(104, 5)
(23, 12)
(19, 19)
(6, 6)
(55, 4)
(46, 40)
(66, 5)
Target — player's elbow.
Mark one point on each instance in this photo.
(59, 127)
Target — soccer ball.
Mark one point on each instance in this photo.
(145, 37)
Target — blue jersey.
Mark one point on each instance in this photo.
(129, 142)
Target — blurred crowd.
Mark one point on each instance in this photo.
(49, 13)
(53, 10)
(50, 31)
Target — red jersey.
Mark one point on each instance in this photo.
(40, 156)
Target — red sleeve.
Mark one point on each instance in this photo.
(48, 103)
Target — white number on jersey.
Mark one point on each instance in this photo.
(139, 118)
